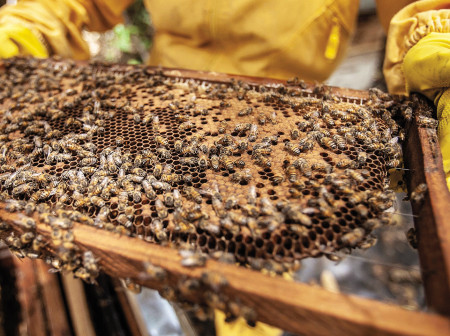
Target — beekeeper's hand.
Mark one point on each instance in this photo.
(17, 40)
(426, 68)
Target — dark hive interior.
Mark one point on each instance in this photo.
(270, 173)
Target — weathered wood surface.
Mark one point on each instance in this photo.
(294, 307)
(423, 156)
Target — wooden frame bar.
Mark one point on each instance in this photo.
(294, 307)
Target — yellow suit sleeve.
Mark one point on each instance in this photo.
(426, 68)
(408, 27)
(418, 60)
(58, 24)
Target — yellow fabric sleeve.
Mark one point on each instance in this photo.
(408, 27)
(18, 40)
(58, 23)
(443, 106)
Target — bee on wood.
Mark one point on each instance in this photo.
(418, 194)
(411, 236)
(426, 122)
(192, 258)
(154, 273)
(27, 237)
(407, 114)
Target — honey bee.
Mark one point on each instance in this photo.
(358, 197)
(223, 127)
(295, 214)
(291, 172)
(203, 161)
(411, 236)
(328, 143)
(418, 194)
(27, 237)
(97, 201)
(38, 243)
(161, 141)
(354, 175)
(263, 161)
(251, 197)
(90, 161)
(426, 122)
(253, 134)
(164, 153)
(242, 177)
(158, 230)
(322, 166)
(345, 163)
(294, 134)
(186, 126)
(407, 114)
(353, 238)
(192, 258)
(393, 163)
(123, 220)
(242, 127)
(178, 145)
(154, 273)
(161, 210)
(245, 112)
(362, 157)
(25, 188)
(193, 194)
(328, 120)
(226, 162)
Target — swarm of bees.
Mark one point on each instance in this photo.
(265, 175)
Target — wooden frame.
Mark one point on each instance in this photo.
(297, 307)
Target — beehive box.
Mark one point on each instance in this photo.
(255, 172)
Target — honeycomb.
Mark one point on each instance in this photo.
(266, 173)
